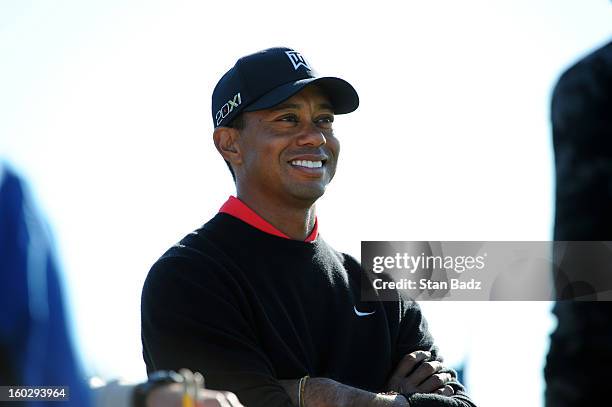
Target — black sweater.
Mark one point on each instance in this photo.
(247, 308)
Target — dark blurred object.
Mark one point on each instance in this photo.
(35, 347)
(582, 134)
(581, 114)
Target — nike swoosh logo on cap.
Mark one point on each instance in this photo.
(362, 314)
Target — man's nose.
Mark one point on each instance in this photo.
(311, 135)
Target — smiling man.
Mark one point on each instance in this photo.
(255, 299)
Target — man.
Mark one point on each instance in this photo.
(255, 299)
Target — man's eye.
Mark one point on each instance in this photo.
(326, 119)
(288, 118)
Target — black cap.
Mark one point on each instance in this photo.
(266, 78)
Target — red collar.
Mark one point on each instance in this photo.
(235, 207)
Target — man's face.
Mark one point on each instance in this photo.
(289, 152)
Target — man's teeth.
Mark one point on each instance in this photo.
(308, 164)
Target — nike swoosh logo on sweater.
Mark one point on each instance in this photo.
(362, 314)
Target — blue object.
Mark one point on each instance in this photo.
(34, 338)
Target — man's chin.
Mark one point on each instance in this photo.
(307, 193)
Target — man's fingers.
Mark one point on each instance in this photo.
(435, 382)
(423, 372)
(445, 391)
(409, 362)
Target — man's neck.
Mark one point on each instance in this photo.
(295, 221)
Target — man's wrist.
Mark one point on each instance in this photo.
(325, 392)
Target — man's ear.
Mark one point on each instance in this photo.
(226, 141)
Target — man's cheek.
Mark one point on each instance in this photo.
(331, 169)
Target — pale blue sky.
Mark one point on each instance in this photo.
(105, 106)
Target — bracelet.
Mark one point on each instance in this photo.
(301, 388)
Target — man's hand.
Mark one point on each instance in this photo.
(415, 373)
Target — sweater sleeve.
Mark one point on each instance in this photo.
(414, 335)
(193, 316)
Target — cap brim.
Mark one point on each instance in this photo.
(341, 94)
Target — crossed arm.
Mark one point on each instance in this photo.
(414, 373)
(324, 392)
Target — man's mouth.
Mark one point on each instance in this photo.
(307, 163)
